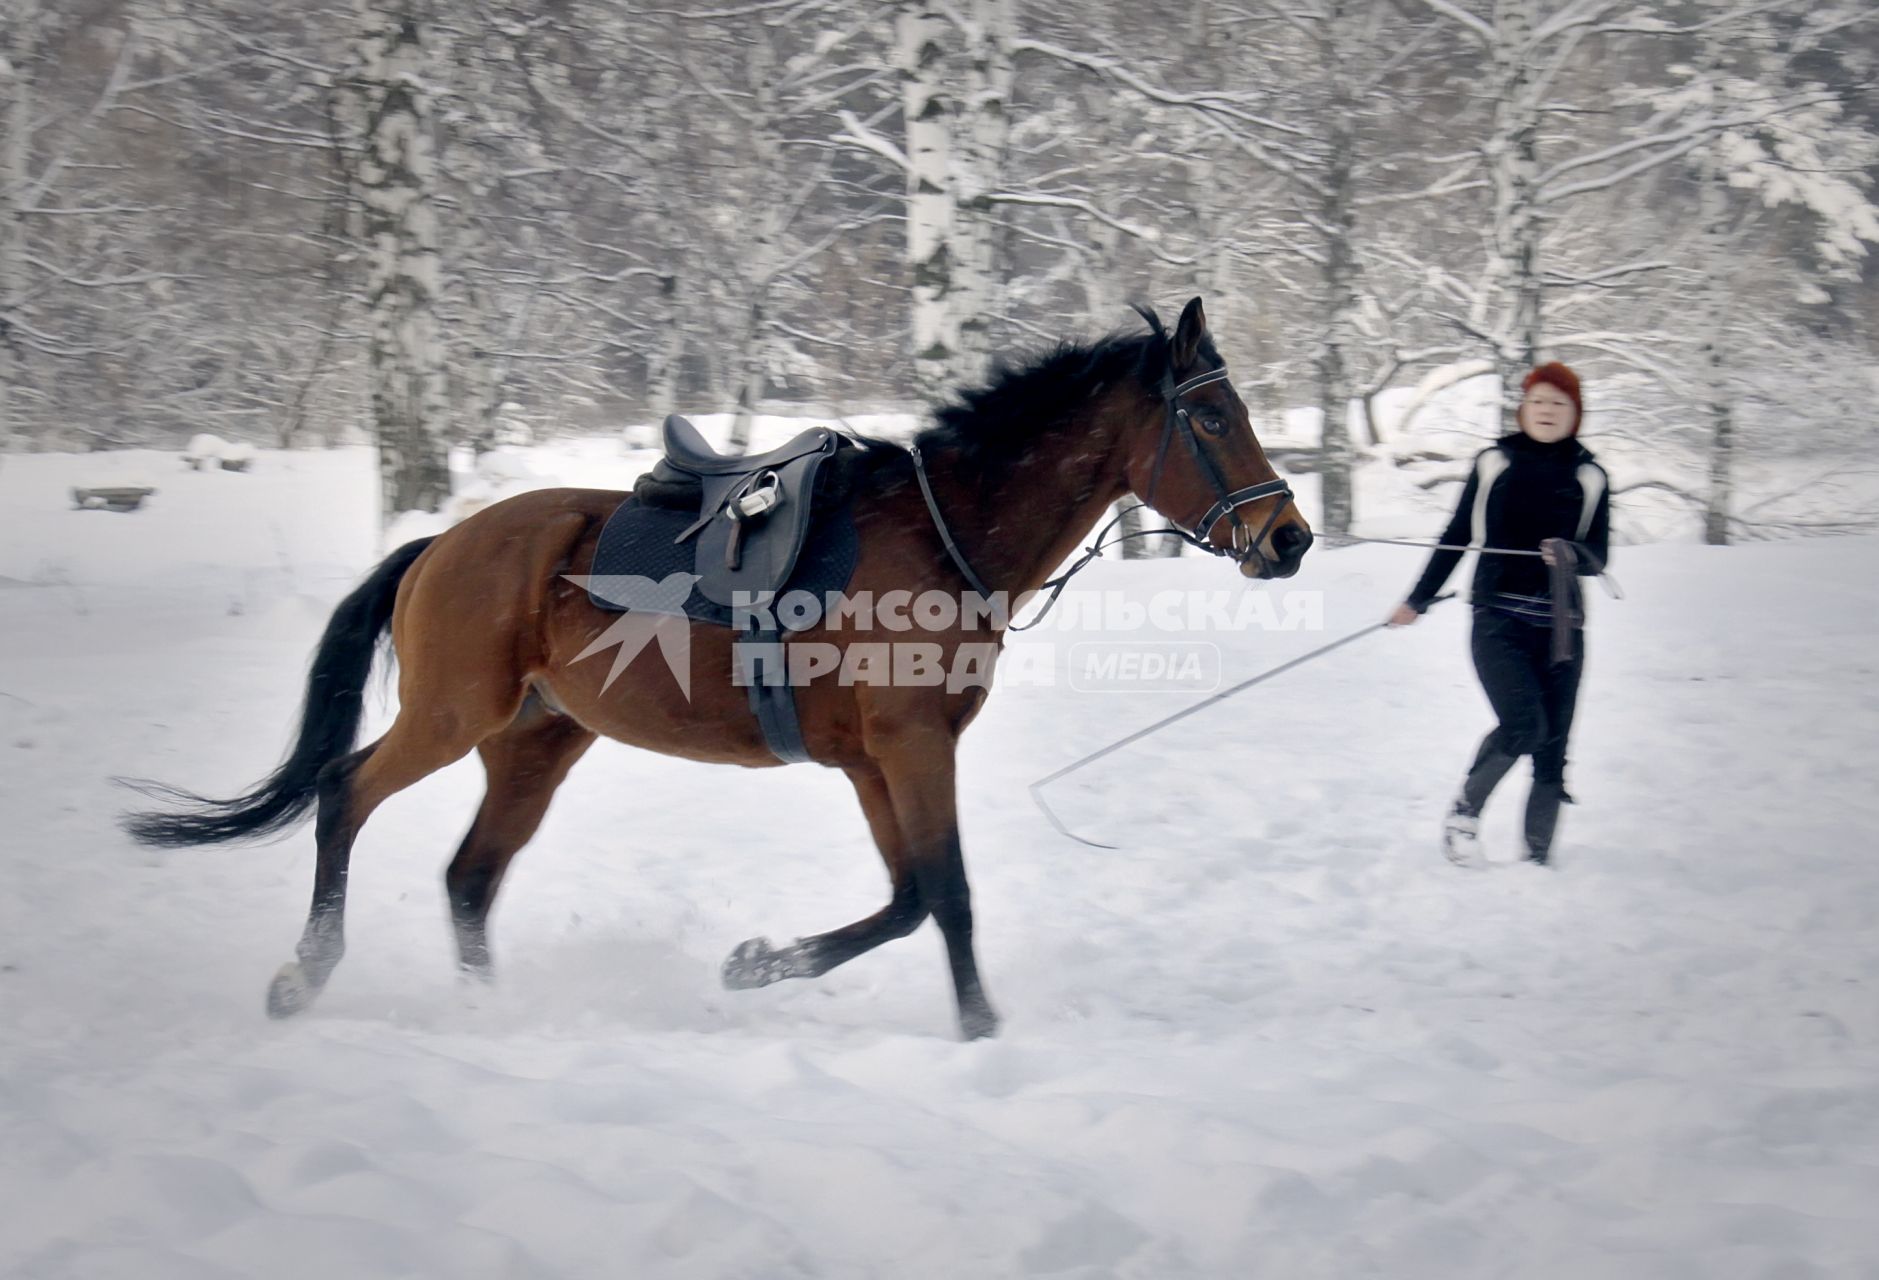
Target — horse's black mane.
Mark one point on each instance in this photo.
(990, 428)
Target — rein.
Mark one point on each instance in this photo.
(1056, 584)
(1426, 546)
(1578, 550)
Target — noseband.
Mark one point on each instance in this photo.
(1228, 502)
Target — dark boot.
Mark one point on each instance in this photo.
(1543, 804)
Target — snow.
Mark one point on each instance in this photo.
(208, 452)
(1274, 1034)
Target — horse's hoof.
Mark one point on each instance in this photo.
(755, 963)
(977, 1024)
(290, 992)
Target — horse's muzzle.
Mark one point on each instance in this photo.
(1289, 545)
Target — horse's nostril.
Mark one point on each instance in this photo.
(1291, 541)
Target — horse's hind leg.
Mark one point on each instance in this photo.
(757, 964)
(525, 763)
(350, 788)
(323, 940)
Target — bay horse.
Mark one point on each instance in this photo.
(487, 628)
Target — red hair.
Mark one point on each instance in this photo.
(1557, 375)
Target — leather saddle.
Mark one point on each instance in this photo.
(753, 511)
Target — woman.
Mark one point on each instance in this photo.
(1540, 490)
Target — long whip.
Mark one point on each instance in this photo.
(1213, 698)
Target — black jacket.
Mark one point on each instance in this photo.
(1534, 491)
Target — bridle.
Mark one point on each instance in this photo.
(1244, 545)
(1227, 502)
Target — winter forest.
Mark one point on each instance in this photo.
(330, 322)
(430, 225)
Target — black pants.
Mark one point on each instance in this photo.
(1533, 699)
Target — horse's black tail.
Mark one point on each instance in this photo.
(329, 723)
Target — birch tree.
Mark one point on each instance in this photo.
(394, 178)
(1338, 83)
(968, 203)
(1526, 57)
(1791, 144)
(936, 257)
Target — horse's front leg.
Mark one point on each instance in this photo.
(758, 963)
(919, 769)
(912, 810)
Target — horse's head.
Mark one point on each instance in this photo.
(1194, 457)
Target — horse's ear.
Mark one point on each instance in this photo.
(1188, 333)
(1148, 313)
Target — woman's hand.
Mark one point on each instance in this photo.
(1402, 616)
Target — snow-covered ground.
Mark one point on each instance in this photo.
(1274, 1034)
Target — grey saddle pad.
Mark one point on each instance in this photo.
(637, 541)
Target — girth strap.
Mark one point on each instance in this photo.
(760, 655)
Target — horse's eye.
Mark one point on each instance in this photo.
(1213, 426)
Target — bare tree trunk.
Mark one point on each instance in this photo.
(752, 367)
(1334, 399)
(920, 58)
(293, 426)
(1721, 495)
(335, 220)
(761, 260)
(394, 178)
(1097, 271)
(1714, 203)
(1337, 212)
(1513, 158)
(477, 380)
(665, 359)
(1132, 547)
(16, 83)
(984, 132)
(668, 348)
